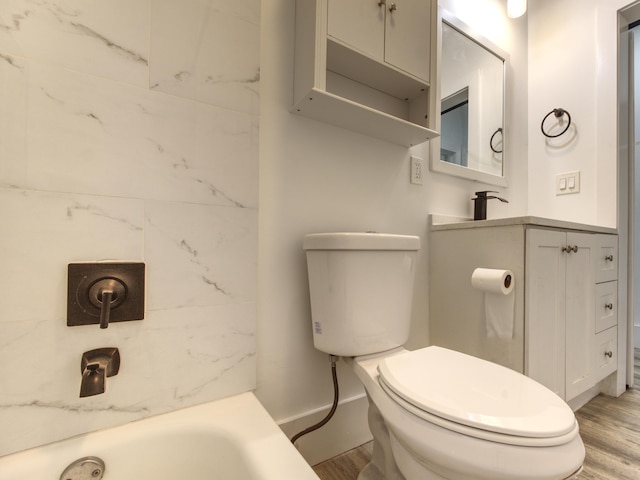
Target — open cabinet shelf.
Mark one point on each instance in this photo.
(340, 84)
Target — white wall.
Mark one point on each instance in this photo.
(572, 65)
(128, 131)
(315, 177)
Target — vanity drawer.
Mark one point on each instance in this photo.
(606, 351)
(607, 260)
(606, 305)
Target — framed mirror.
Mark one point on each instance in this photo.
(471, 110)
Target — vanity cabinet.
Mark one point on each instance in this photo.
(368, 65)
(571, 292)
(565, 317)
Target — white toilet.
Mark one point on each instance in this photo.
(434, 413)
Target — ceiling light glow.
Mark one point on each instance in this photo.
(516, 8)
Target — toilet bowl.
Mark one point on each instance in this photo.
(435, 414)
(450, 416)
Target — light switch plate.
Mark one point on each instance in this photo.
(567, 183)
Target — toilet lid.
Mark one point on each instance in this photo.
(476, 393)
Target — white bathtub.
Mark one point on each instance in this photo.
(229, 439)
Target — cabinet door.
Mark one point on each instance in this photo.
(408, 36)
(580, 318)
(545, 308)
(358, 24)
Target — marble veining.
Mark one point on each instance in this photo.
(11, 61)
(89, 135)
(83, 29)
(87, 37)
(227, 72)
(212, 249)
(97, 211)
(128, 131)
(74, 408)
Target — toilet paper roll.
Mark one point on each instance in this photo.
(492, 280)
(499, 300)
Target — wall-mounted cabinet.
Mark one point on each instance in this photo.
(368, 65)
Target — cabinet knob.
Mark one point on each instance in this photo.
(608, 354)
(609, 258)
(393, 7)
(382, 2)
(569, 248)
(608, 306)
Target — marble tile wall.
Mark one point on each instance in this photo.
(128, 131)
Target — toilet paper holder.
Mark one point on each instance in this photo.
(492, 280)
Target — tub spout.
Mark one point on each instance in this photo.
(96, 365)
(93, 379)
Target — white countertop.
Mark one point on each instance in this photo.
(444, 222)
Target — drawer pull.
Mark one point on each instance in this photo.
(609, 258)
(608, 354)
(608, 306)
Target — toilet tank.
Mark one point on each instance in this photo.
(361, 287)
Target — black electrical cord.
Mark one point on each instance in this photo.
(334, 376)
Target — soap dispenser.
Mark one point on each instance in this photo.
(480, 204)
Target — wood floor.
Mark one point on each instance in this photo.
(610, 430)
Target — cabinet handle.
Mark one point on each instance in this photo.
(393, 7)
(569, 249)
(382, 2)
(609, 258)
(608, 306)
(608, 354)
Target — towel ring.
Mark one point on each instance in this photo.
(558, 113)
(499, 130)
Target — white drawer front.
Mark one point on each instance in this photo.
(606, 305)
(606, 353)
(607, 261)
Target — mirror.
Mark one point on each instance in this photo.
(472, 106)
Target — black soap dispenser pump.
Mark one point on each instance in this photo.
(480, 204)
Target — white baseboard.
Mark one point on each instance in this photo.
(347, 429)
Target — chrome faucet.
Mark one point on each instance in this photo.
(96, 366)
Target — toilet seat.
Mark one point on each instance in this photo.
(476, 398)
(424, 445)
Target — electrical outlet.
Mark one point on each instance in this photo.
(568, 183)
(417, 168)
